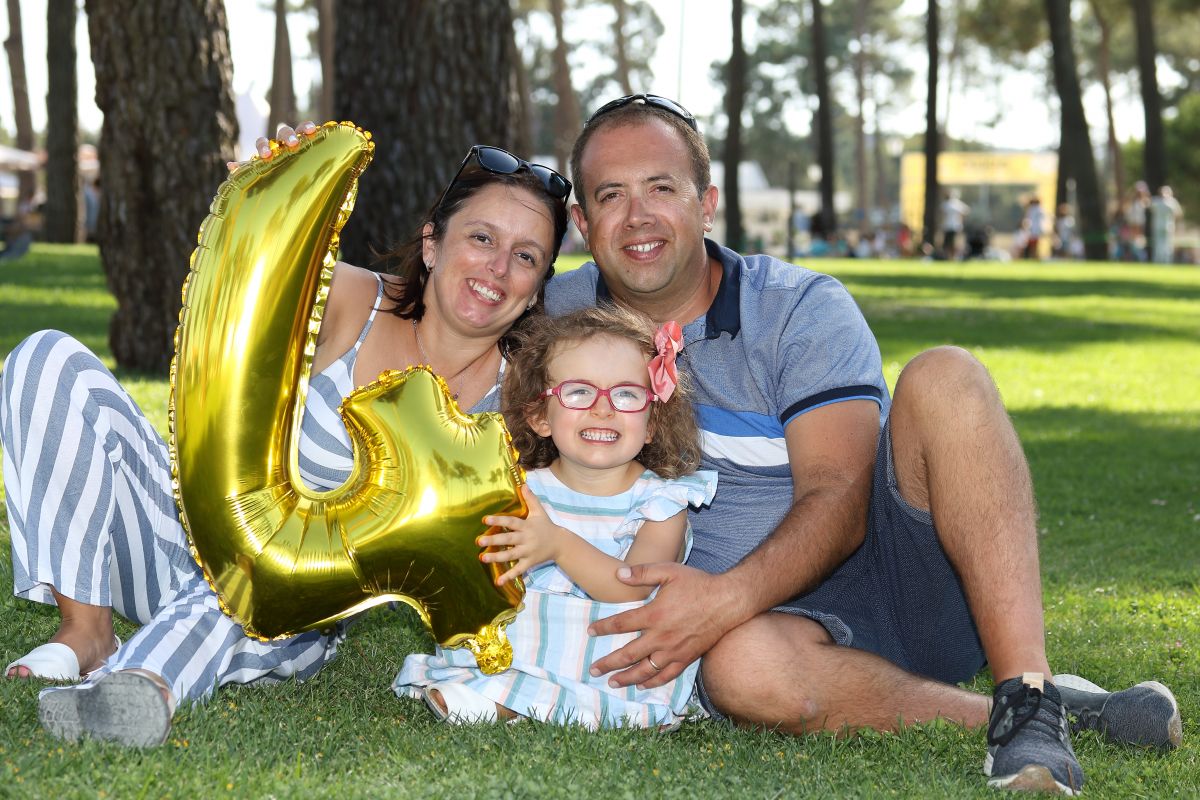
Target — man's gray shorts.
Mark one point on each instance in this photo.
(897, 596)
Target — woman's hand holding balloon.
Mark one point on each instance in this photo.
(286, 136)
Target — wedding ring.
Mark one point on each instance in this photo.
(657, 668)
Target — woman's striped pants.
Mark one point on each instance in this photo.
(87, 481)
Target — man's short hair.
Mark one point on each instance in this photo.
(636, 114)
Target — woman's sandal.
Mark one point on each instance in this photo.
(123, 707)
(52, 661)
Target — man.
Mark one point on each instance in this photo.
(818, 563)
(954, 215)
(1165, 212)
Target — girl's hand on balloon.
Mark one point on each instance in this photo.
(529, 542)
(286, 136)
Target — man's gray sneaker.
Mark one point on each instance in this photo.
(1028, 745)
(122, 706)
(1145, 715)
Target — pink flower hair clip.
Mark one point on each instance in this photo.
(663, 375)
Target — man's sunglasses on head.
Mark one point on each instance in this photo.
(657, 101)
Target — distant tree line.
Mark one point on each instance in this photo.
(429, 79)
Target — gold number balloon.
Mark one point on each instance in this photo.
(281, 557)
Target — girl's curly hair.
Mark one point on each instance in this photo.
(674, 449)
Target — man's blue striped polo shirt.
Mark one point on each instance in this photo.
(778, 340)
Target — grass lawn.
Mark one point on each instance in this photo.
(1100, 367)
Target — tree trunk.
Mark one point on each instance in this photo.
(735, 98)
(428, 80)
(881, 193)
(621, 45)
(567, 119)
(15, 46)
(1076, 146)
(326, 33)
(522, 116)
(283, 92)
(1064, 164)
(1155, 166)
(953, 71)
(163, 72)
(861, 200)
(63, 220)
(1104, 65)
(933, 144)
(824, 120)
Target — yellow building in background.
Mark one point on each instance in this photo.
(995, 185)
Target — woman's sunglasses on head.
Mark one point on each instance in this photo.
(502, 162)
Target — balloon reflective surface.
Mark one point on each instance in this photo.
(282, 557)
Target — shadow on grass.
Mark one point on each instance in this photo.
(82, 323)
(1119, 495)
(69, 267)
(55, 287)
(1009, 288)
(911, 326)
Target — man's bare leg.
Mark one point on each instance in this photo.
(956, 454)
(785, 672)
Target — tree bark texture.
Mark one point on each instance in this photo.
(63, 220)
(15, 46)
(326, 31)
(621, 44)
(522, 103)
(163, 72)
(567, 118)
(428, 80)
(735, 98)
(861, 200)
(1076, 145)
(283, 90)
(824, 119)
(880, 173)
(1103, 66)
(1155, 166)
(933, 144)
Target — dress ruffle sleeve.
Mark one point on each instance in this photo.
(650, 498)
(664, 499)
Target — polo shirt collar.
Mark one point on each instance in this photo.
(724, 315)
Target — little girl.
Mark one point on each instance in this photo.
(611, 447)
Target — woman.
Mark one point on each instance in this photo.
(109, 535)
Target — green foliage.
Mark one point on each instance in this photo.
(1180, 131)
(1008, 28)
(535, 41)
(1098, 366)
(780, 80)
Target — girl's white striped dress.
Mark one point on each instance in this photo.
(552, 651)
(88, 486)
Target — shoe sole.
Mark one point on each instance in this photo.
(122, 707)
(1172, 736)
(1032, 778)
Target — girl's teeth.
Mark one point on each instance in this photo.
(600, 436)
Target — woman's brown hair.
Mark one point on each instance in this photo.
(406, 261)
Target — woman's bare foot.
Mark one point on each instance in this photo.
(502, 712)
(86, 629)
